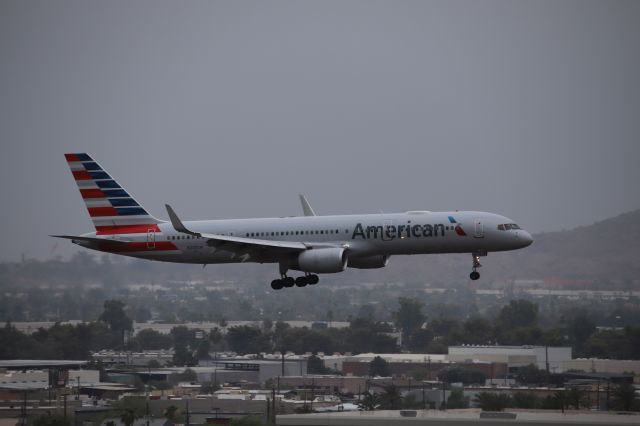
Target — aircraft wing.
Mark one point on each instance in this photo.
(236, 244)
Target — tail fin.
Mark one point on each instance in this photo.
(112, 209)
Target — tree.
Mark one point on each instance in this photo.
(173, 414)
(457, 399)
(248, 421)
(409, 316)
(188, 375)
(379, 367)
(203, 349)
(127, 417)
(477, 331)
(531, 375)
(518, 313)
(391, 399)
(183, 356)
(575, 397)
(115, 316)
(525, 400)
(148, 339)
(369, 401)
(182, 336)
(580, 328)
(419, 340)
(246, 339)
(624, 397)
(209, 387)
(457, 374)
(411, 402)
(50, 420)
(315, 365)
(490, 401)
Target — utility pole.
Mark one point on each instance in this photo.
(546, 361)
(273, 406)
(23, 410)
(268, 419)
(187, 422)
(313, 392)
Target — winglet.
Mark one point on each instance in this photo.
(177, 223)
(306, 207)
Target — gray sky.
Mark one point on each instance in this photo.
(230, 109)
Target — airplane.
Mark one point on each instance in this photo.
(310, 244)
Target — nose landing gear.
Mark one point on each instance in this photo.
(476, 264)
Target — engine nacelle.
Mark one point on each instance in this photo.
(323, 260)
(368, 262)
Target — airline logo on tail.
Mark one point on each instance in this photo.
(112, 209)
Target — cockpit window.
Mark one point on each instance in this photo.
(507, 226)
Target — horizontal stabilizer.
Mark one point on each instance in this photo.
(90, 239)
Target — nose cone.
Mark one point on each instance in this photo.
(525, 238)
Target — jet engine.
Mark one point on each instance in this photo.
(323, 260)
(368, 262)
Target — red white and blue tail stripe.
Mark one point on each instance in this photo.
(112, 209)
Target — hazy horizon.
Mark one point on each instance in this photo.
(231, 109)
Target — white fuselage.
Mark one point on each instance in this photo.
(418, 232)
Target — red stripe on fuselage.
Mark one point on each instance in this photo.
(92, 193)
(81, 175)
(142, 246)
(126, 229)
(102, 211)
(71, 157)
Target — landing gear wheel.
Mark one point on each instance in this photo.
(276, 284)
(302, 281)
(288, 282)
(313, 279)
(476, 264)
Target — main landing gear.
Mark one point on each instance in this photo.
(476, 264)
(302, 281)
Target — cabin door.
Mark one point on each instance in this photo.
(151, 239)
(478, 229)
